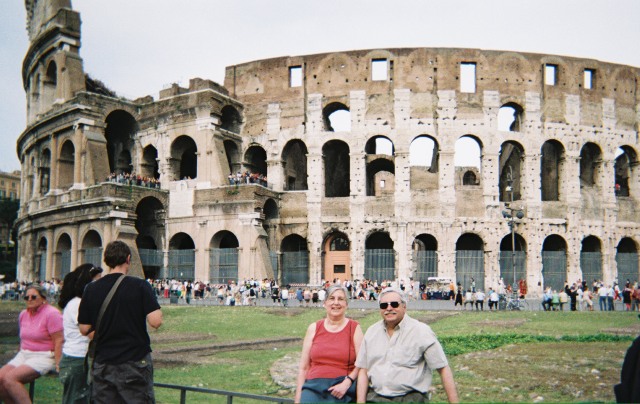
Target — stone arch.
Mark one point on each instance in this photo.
(184, 158)
(591, 259)
(181, 257)
(295, 260)
(232, 151)
(552, 170)
(121, 128)
(554, 262)
(379, 257)
(337, 182)
(510, 117)
(92, 248)
(469, 178)
(380, 166)
(511, 170)
(627, 261)
(66, 164)
(150, 215)
(44, 171)
(149, 166)
(50, 84)
(424, 156)
(294, 161)
(41, 258)
(255, 160)
(468, 152)
(470, 261)
(590, 165)
(223, 258)
(230, 120)
(336, 256)
(625, 167)
(513, 259)
(425, 257)
(270, 210)
(336, 117)
(62, 256)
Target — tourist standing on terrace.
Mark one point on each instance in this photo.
(327, 371)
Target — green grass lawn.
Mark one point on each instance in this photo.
(496, 357)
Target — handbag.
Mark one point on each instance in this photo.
(91, 352)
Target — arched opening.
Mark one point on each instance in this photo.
(150, 215)
(469, 178)
(590, 165)
(470, 261)
(626, 163)
(468, 152)
(337, 256)
(337, 182)
(295, 260)
(511, 169)
(510, 117)
(149, 166)
(270, 210)
(423, 158)
(425, 257)
(627, 261)
(66, 165)
(92, 248)
(513, 261)
(554, 262)
(294, 161)
(44, 171)
(62, 264)
(230, 119)
(184, 158)
(233, 157)
(551, 170)
(182, 257)
(120, 131)
(591, 259)
(223, 258)
(379, 257)
(336, 117)
(380, 162)
(50, 85)
(255, 160)
(41, 259)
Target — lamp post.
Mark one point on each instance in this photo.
(509, 213)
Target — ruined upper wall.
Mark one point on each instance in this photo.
(40, 14)
(425, 71)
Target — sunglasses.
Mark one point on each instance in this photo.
(30, 297)
(384, 306)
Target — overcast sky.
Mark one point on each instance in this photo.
(138, 47)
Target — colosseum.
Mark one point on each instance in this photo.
(378, 164)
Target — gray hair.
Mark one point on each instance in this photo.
(334, 288)
(37, 288)
(403, 297)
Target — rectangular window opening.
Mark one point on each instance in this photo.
(295, 76)
(467, 77)
(339, 269)
(550, 75)
(382, 183)
(589, 76)
(379, 69)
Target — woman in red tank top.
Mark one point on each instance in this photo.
(327, 372)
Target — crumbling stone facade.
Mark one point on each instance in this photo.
(377, 194)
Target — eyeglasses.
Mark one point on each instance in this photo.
(30, 297)
(384, 306)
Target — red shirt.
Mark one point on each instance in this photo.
(332, 354)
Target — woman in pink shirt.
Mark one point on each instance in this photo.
(40, 346)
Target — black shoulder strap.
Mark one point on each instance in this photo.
(103, 308)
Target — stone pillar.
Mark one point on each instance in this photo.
(53, 171)
(403, 261)
(446, 180)
(50, 253)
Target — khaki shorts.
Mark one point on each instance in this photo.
(42, 362)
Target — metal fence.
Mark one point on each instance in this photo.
(554, 269)
(470, 268)
(223, 265)
(379, 264)
(42, 266)
(591, 266)
(65, 263)
(151, 257)
(425, 265)
(507, 261)
(93, 256)
(229, 394)
(182, 264)
(627, 267)
(295, 267)
(273, 256)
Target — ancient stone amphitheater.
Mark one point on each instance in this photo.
(378, 164)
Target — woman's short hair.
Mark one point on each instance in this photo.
(403, 296)
(37, 288)
(335, 287)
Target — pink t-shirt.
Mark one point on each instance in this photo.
(36, 328)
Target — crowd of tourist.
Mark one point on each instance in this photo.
(134, 179)
(241, 178)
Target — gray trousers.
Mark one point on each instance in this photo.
(412, 397)
(129, 382)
